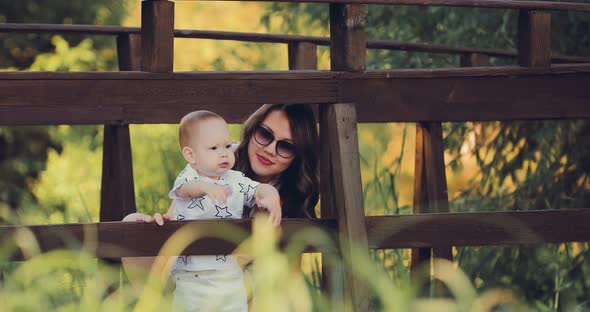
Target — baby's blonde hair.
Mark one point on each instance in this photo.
(189, 121)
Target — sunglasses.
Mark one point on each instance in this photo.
(264, 137)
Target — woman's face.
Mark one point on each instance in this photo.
(264, 160)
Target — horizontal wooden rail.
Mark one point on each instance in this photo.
(274, 38)
(480, 228)
(494, 4)
(117, 239)
(458, 94)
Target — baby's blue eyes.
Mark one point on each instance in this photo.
(228, 146)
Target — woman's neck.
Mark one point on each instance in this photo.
(268, 180)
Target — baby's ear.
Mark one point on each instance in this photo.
(188, 154)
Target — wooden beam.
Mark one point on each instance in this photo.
(534, 39)
(129, 239)
(117, 192)
(381, 96)
(480, 228)
(157, 33)
(430, 184)
(347, 53)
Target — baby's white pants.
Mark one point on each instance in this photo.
(211, 290)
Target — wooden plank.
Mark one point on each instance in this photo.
(461, 99)
(157, 33)
(347, 53)
(480, 229)
(125, 239)
(498, 4)
(147, 101)
(130, 239)
(534, 39)
(112, 98)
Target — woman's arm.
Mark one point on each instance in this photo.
(137, 267)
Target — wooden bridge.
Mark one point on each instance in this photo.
(146, 90)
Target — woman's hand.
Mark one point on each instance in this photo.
(140, 217)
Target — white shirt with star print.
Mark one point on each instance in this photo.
(202, 208)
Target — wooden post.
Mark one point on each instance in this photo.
(157, 35)
(302, 55)
(430, 185)
(474, 60)
(117, 192)
(341, 186)
(534, 38)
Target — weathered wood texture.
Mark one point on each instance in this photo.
(157, 35)
(347, 53)
(534, 39)
(558, 92)
(348, 38)
(119, 239)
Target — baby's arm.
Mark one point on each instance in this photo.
(268, 197)
(196, 188)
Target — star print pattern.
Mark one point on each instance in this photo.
(197, 202)
(201, 208)
(222, 212)
(184, 259)
(247, 191)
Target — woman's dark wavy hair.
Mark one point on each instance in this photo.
(298, 186)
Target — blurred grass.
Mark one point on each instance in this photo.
(72, 280)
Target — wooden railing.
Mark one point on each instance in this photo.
(149, 92)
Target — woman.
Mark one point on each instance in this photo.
(279, 146)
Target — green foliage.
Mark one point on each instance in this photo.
(24, 150)
(20, 165)
(83, 57)
(20, 50)
(518, 165)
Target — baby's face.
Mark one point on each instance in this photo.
(212, 148)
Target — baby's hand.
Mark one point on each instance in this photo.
(217, 193)
(273, 205)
